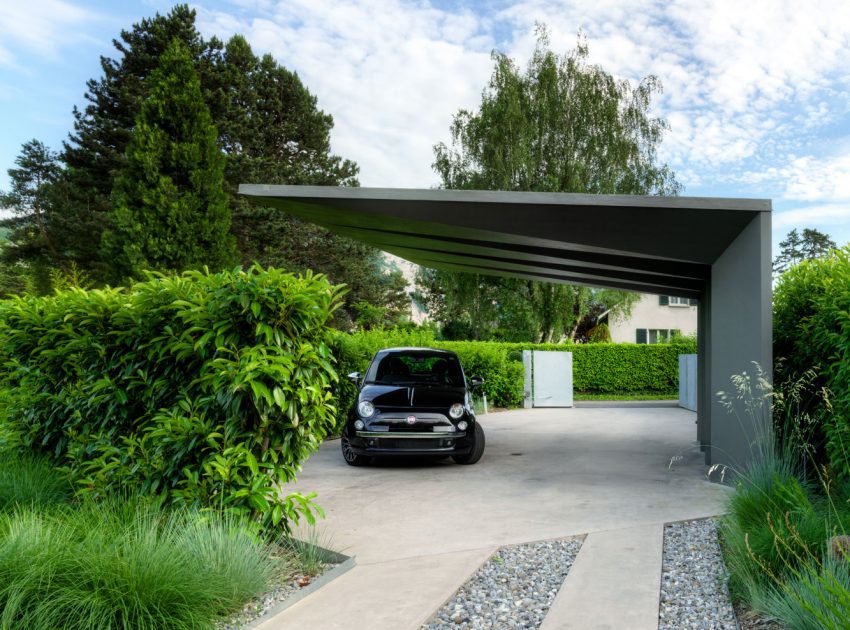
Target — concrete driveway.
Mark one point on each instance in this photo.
(419, 529)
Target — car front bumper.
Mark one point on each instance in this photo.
(377, 443)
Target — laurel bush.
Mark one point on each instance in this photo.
(208, 389)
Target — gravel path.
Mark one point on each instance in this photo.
(693, 580)
(513, 589)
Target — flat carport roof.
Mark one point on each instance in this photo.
(716, 250)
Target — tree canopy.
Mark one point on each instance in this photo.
(270, 130)
(560, 125)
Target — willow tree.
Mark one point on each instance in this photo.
(560, 125)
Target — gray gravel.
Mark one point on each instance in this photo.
(513, 589)
(259, 606)
(694, 594)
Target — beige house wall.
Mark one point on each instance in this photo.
(651, 315)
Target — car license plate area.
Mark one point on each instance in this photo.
(417, 444)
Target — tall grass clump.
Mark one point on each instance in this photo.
(30, 481)
(816, 597)
(126, 564)
(783, 515)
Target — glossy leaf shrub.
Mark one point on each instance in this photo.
(209, 389)
(811, 323)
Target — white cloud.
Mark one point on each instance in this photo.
(39, 27)
(391, 73)
(807, 178)
(821, 215)
(743, 82)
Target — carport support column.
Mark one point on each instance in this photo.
(738, 331)
(703, 371)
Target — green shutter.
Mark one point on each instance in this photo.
(664, 300)
(641, 335)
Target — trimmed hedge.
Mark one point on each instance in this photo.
(811, 331)
(208, 389)
(597, 368)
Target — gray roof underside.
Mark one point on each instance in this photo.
(653, 244)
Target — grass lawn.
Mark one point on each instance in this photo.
(626, 396)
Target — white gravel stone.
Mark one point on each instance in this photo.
(514, 589)
(694, 593)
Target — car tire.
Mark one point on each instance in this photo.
(351, 458)
(477, 448)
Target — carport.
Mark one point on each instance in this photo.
(715, 250)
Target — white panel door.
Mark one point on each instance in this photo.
(553, 379)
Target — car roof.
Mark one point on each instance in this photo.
(416, 349)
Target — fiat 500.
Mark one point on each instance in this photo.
(413, 401)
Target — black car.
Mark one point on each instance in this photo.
(413, 401)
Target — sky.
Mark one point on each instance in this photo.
(757, 93)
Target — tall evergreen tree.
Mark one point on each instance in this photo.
(30, 234)
(170, 211)
(96, 150)
(561, 125)
(798, 247)
(270, 130)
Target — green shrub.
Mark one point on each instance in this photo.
(503, 377)
(208, 389)
(29, 481)
(812, 332)
(116, 564)
(599, 334)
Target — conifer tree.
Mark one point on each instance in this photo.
(170, 210)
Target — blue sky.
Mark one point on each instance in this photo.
(757, 94)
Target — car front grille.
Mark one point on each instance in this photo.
(417, 444)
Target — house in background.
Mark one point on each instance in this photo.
(654, 319)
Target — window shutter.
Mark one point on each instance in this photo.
(641, 335)
(664, 300)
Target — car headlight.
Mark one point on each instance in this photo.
(462, 425)
(456, 411)
(359, 425)
(366, 409)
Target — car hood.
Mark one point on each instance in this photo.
(413, 396)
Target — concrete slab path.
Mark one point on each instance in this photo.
(419, 529)
(614, 582)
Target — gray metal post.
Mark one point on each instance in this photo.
(527, 399)
(740, 333)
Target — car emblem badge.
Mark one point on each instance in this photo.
(411, 419)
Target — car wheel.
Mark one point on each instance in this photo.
(477, 448)
(351, 458)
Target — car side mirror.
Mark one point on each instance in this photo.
(476, 381)
(354, 377)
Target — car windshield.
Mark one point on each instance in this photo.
(419, 368)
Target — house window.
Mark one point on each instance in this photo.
(655, 335)
(671, 300)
